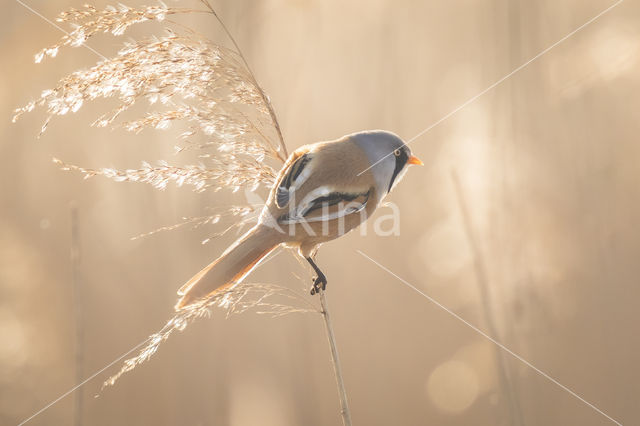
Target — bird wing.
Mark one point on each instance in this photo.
(294, 176)
(324, 204)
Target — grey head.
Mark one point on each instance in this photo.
(389, 157)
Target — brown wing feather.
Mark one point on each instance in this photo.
(289, 177)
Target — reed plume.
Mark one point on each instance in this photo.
(235, 300)
(242, 214)
(184, 78)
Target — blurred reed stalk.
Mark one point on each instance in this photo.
(78, 402)
(506, 384)
(337, 368)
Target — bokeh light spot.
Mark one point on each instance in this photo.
(445, 250)
(453, 386)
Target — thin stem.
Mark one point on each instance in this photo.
(78, 405)
(300, 296)
(263, 95)
(273, 148)
(337, 369)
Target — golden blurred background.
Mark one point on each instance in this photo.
(524, 222)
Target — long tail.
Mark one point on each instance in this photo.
(230, 268)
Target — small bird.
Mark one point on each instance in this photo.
(323, 191)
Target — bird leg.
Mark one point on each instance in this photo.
(320, 281)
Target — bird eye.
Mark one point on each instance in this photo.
(396, 152)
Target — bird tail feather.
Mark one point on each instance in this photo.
(230, 268)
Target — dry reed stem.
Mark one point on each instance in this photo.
(337, 367)
(263, 94)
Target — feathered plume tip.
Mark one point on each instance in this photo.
(235, 300)
(244, 214)
(245, 174)
(184, 78)
(89, 21)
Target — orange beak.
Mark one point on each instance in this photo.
(415, 160)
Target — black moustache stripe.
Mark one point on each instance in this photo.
(401, 161)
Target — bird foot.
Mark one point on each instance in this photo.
(319, 282)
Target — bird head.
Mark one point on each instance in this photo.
(389, 157)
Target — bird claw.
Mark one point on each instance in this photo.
(318, 283)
